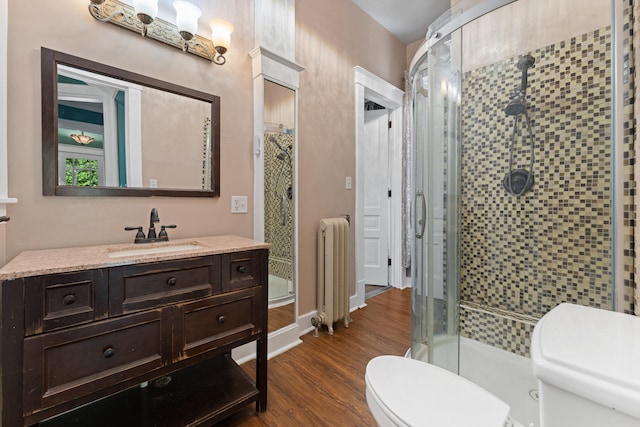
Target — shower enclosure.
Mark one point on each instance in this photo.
(515, 181)
(278, 212)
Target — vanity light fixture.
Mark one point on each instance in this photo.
(142, 18)
(82, 138)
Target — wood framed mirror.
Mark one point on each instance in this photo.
(111, 132)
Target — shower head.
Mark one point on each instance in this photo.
(515, 107)
(525, 62)
(282, 155)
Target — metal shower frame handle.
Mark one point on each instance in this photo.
(422, 222)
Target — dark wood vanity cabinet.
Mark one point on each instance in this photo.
(145, 344)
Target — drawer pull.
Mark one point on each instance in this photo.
(242, 269)
(172, 281)
(222, 319)
(108, 352)
(69, 299)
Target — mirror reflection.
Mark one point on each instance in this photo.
(279, 138)
(113, 131)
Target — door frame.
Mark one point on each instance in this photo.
(371, 87)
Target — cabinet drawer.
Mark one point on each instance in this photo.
(139, 287)
(211, 323)
(62, 300)
(241, 270)
(66, 364)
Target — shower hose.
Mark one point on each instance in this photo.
(513, 141)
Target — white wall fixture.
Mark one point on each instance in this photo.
(141, 18)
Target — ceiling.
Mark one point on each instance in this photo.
(408, 20)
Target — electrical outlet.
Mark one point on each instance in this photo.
(348, 183)
(153, 183)
(238, 204)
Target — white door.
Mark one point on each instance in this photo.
(376, 197)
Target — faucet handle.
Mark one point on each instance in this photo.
(163, 231)
(139, 234)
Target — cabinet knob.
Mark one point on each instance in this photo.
(172, 281)
(69, 299)
(242, 269)
(222, 319)
(108, 352)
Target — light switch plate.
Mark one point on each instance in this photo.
(348, 183)
(238, 204)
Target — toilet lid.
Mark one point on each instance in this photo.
(418, 393)
(590, 352)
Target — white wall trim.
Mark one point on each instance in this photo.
(279, 341)
(371, 87)
(4, 172)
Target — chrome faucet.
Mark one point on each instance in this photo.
(151, 235)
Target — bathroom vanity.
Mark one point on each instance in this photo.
(135, 335)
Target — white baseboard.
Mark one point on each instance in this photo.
(277, 343)
(288, 337)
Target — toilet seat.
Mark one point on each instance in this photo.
(407, 392)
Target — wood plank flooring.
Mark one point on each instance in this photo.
(321, 381)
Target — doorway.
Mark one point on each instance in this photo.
(372, 88)
(377, 192)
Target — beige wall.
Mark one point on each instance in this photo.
(528, 24)
(332, 37)
(46, 222)
(279, 105)
(173, 129)
(411, 50)
(330, 41)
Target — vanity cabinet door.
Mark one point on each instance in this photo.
(241, 270)
(215, 322)
(66, 299)
(143, 286)
(63, 365)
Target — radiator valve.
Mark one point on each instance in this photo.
(316, 322)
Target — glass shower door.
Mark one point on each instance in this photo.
(436, 93)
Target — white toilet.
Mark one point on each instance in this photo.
(407, 392)
(587, 362)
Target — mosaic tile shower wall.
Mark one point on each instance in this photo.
(278, 199)
(521, 256)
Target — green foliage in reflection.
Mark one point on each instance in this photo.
(81, 172)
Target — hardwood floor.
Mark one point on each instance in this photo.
(321, 381)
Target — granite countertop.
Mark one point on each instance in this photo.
(63, 260)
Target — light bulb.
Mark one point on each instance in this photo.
(147, 10)
(187, 15)
(221, 35)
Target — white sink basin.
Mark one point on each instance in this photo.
(150, 250)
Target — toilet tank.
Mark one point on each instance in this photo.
(587, 363)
